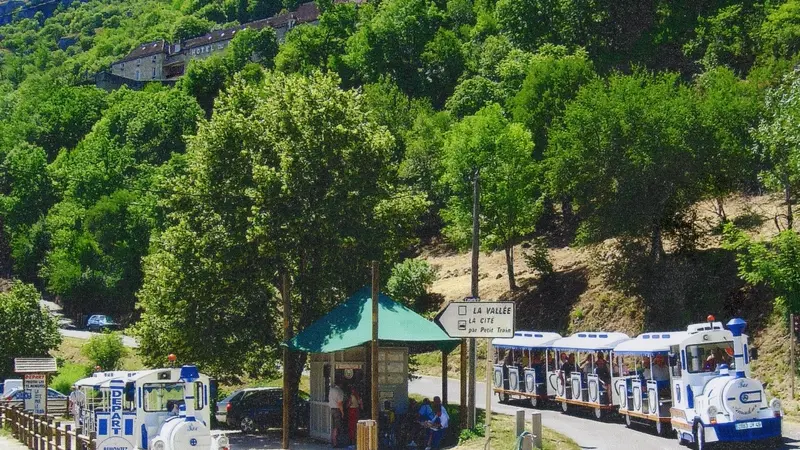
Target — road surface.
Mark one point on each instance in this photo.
(587, 432)
(67, 327)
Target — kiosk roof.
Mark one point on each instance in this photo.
(597, 340)
(647, 343)
(350, 325)
(527, 339)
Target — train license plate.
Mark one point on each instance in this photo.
(748, 425)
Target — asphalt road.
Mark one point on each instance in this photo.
(586, 431)
(68, 329)
(127, 341)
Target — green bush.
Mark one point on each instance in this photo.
(105, 350)
(537, 257)
(67, 375)
(409, 284)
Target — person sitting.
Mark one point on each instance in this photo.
(173, 408)
(645, 374)
(604, 374)
(588, 364)
(710, 364)
(660, 371)
(409, 426)
(438, 425)
(569, 367)
(425, 411)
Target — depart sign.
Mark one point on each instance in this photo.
(477, 319)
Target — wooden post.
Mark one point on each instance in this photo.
(536, 429)
(367, 435)
(519, 423)
(287, 369)
(58, 436)
(463, 369)
(792, 337)
(488, 420)
(67, 429)
(375, 343)
(444, 377)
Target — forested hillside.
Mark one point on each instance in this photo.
(587, 122)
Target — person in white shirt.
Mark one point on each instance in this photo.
(336, 403)
(660, 371)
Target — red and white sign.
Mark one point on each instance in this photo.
(36, 393)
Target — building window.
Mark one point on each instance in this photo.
(138, 61)
(138, 75)
(154, 58)
(154, 72)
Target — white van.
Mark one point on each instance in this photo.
(10, 385)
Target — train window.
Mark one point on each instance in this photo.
(708, 357)
(199, 400)
(156, 396)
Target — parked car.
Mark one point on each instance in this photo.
(262, 408)
(19, 394)
(101, 322)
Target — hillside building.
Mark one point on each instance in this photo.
(164, 61)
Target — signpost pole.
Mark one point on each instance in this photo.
(792, 336)
(488, 420)
(374, 360)
(476, 224)
(463, 397)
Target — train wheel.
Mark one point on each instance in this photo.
(598, 413)
(503, 397)
(700, 437)
(534, 401)
(659, 428)
(679, 436)
(564, 406)
(628, 421)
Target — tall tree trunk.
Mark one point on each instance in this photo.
(787, 194)
(512, 282)
(566, 211)
(656, 243)
(5, 251)
(721, 209)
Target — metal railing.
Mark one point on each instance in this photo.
(41, 432)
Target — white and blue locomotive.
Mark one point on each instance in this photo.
(159, 409)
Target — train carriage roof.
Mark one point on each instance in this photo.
(594, 340)
(527, 339)
(647, 343)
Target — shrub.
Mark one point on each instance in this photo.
(105, 350)
(67, 375)
(537, 258)
(409, 284)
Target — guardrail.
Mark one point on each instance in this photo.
(39, 432)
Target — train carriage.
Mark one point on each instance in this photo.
(642, 382)
(521, 366)
(158, 409)
(585, 385)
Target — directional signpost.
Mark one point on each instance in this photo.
(475, 319)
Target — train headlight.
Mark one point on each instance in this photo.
(223, 442)
(775, 405)
(712, 414)
(158, 445)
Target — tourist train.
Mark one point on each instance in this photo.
(695, 384)
(159, 409)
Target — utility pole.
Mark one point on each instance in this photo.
(476, 193)
(287, 366)
(374, 361)
(793, 326)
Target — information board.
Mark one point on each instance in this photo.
(35, 386)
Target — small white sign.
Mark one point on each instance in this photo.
(36, 393)
(478, 319)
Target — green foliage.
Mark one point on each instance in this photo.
(443, 63)
(510, 181)
(409, 284)
(775, 263)
(189, 27)
(68, 374)
(537, 257)
(550, 83)
(471, 95)
(777, 139)
(204, 79)
(249, 44)
(780, 32)
(105, 350)
(28, 329)
(626, 146)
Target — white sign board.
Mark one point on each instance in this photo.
(477, 319)
(36, 393)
